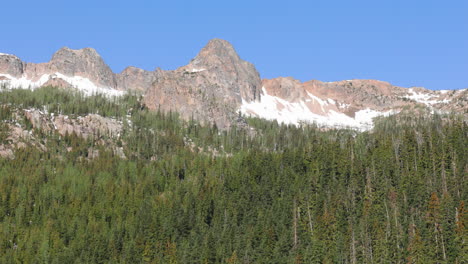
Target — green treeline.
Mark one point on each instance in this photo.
(276, 194)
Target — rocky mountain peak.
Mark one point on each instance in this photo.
(216, 52)
(11, 65)
(67, 52)
(221, 61)
(210, 88)
(85, 63)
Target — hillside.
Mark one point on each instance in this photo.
(98, 179)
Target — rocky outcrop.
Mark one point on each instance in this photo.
(19, 138)
(220, 62)
(85, 63)
(6, 152)
(89, 126)
(132, 78)
(101, 130)
(11, 65)
(210, 88)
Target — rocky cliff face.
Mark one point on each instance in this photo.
(85, 63)
(210, 88)
(132, 78)
(102, 130)
(220, 59)
(217, 84)
(11, 65)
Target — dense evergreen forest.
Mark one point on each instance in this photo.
(260, 193)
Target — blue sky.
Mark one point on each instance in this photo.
(407, 43)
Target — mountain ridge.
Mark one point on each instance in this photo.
(217, 85)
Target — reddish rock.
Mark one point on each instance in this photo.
(217, 82)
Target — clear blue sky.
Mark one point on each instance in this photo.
(405, 42)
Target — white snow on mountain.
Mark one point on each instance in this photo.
(80, 83)
(425, 98)
(6, 54)
(23, 82)
(274, 108)
(318, 100)
(87, 86)
(197, 70)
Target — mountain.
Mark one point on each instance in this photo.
(352, 103)
(90, 179)
(210, 88)
(83, 69)
(217, 85)
(101, 179)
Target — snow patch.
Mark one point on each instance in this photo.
(6, 54)
(80, 83)
(343, 105)
(425, 98)
(274, 108)
(87, 86)
(320, 101)
(23, 82)
(197, 70)
(366, 116)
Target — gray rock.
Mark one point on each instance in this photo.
(12, 65)
(84, 62)
(132, 78)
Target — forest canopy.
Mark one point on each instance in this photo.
(185, 192)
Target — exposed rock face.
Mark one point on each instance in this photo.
(227, 69)
(84, 63)
(210, 88)
(217, 84)
(6, 152)
(18, 138)
(352, 103)
(287, 88)
(91, 125)
(132, 78)
(11, 65)
(83, 69)
(102, 130)
(374, 94)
